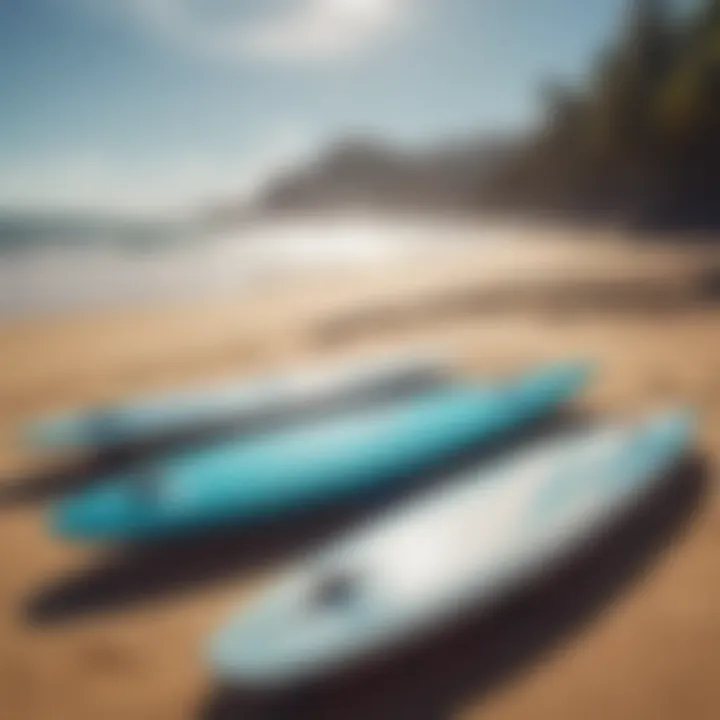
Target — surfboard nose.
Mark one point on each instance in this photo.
(672, 432)
(556, 382)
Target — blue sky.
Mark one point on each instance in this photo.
(159, 103)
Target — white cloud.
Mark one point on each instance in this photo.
(299, 31)
(319, 29)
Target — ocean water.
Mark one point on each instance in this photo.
(49, 277)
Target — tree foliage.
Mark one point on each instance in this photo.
(642, 140)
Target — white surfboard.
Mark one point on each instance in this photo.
(453, 548)
(244, 401)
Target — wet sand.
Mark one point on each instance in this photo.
(124, 639)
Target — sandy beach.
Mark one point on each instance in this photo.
(129, 642)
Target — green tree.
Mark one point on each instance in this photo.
(642, 138)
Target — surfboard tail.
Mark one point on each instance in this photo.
(66, 431)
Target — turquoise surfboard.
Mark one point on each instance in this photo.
(445, 552)
(241, 402)
(324, 462)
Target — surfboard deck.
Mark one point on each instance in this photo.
(451, 549)
(324, 462)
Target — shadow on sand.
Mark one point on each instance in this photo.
(137, 574)
(433, 679)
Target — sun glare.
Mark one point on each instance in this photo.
(368, 9)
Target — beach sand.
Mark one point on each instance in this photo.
(127, 642)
